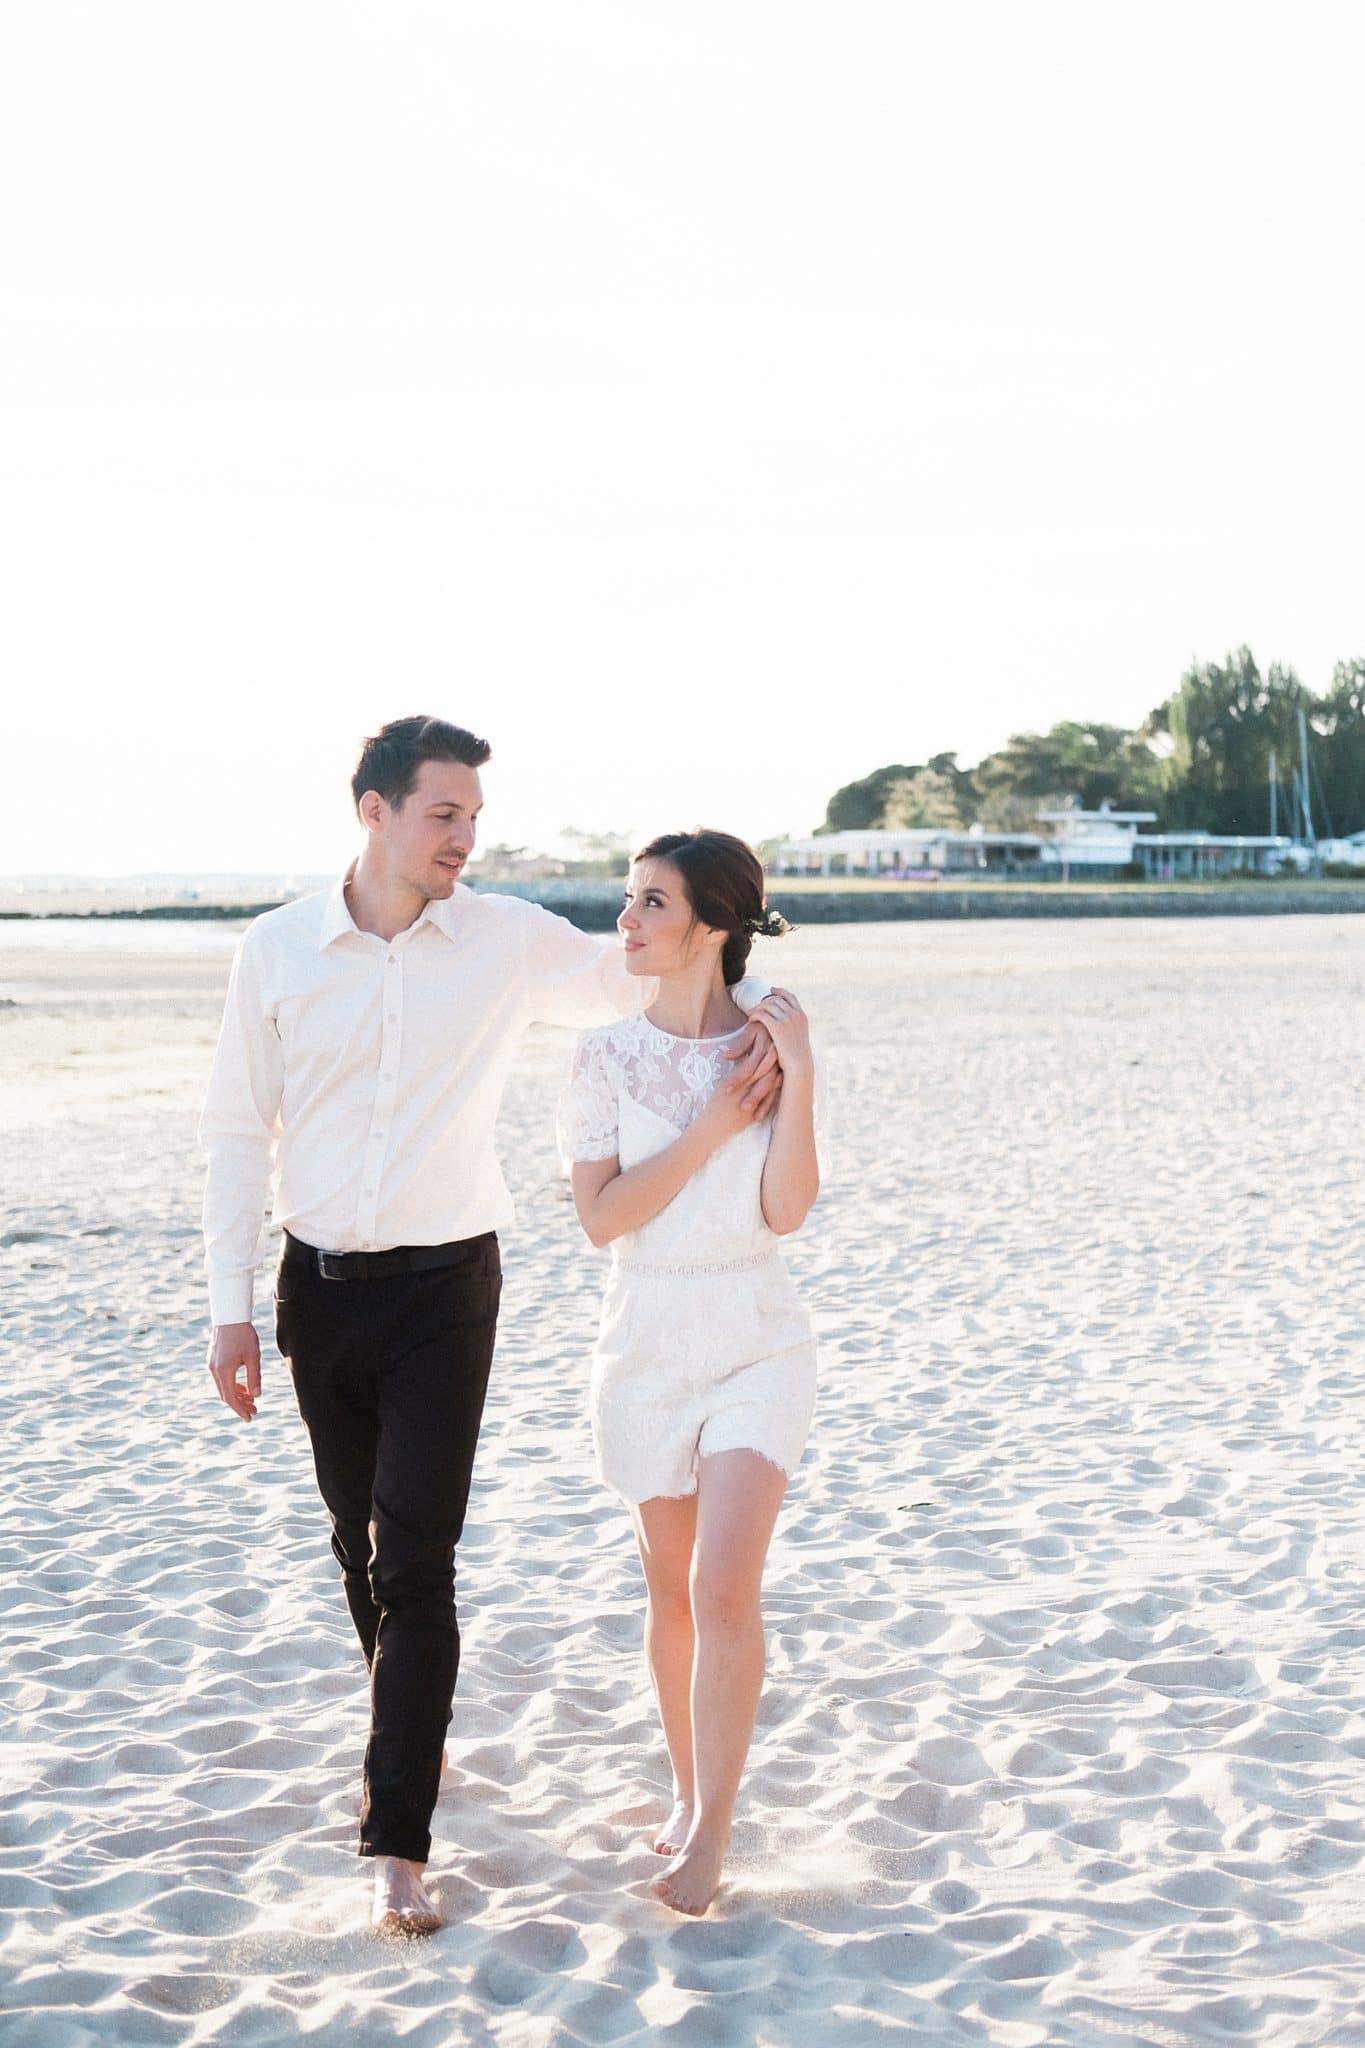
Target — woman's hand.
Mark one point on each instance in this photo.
(727, 1111)
(789, 1028)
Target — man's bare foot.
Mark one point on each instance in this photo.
(692, 1880)
(401, 1903)
(671, 1839)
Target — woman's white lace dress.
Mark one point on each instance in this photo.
(703, 1344)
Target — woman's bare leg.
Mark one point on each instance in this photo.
(738, 1496)
(665, 1530)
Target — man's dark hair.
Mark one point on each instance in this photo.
(389, 762)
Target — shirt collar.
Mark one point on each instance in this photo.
(445, 915)
(337, 919)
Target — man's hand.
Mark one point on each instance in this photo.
(235, 1348)
(790, 1029)
(757, 1073)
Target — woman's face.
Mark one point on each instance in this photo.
(659, 929)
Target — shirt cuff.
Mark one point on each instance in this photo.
(750, 992)
(230, 1297)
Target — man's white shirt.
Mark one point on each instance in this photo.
(361, 1077)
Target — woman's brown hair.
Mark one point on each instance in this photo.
(723, 878)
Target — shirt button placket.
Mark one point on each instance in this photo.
(381, 1122)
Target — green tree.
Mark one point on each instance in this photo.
(927, 797)
(601, 854)
(934, 792)
(1338, 721)
(859, 806)
(1200, 761)
(1042, 771)
(1224, 722)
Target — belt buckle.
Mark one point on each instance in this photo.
(327, 1260)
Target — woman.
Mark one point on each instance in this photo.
(704, 1371)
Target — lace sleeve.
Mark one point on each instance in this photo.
(588, 1109)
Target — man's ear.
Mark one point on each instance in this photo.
(372, 808)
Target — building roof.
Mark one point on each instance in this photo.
(1210, 839)
(1103, 816)
(919, 835)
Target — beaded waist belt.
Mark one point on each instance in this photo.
(653, 1271)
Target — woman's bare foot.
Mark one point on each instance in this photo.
(671, 1839)
(692, 1880)
(401, 1903)
(445, 1761)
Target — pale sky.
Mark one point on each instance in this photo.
(708, 404)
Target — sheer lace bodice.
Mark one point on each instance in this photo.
(632, 1090)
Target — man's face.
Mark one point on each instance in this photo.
(429, 837)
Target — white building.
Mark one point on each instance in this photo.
(1111, 839)
(919, 852)
(1093, 839)
(1347, 852)
(1094, 845)
(1201, 856)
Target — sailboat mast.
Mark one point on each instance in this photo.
(1274, 794)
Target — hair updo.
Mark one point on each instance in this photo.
(723, 881)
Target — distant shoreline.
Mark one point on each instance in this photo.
(592, 906)
(179, 913)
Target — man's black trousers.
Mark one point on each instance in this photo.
(390, 1376)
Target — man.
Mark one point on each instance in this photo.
(366, 1039)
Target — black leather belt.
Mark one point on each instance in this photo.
(403, 1258)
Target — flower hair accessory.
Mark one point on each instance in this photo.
(770, 925)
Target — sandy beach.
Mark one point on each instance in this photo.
(1062, 1741)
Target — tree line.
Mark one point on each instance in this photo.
(1201, 761)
